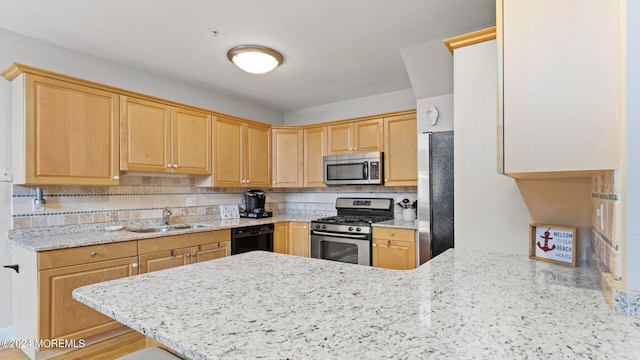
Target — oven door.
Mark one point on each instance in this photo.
(354, 249)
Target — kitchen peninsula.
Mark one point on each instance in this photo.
(461, 304)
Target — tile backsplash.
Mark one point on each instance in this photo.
(144, 197)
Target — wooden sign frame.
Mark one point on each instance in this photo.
(550, 243)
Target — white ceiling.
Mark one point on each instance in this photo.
(334, 49)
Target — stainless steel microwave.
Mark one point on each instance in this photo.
(353, 169)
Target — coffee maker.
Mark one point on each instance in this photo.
(254, 205)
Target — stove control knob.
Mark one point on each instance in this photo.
(317, 226)
(358, 229)
(350, 228)
(324, 226)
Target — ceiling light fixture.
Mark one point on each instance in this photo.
(255, 59)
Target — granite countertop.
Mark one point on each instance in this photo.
(462, 304)
(397, 223)
(48, 238)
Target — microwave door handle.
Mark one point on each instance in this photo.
(365, 170)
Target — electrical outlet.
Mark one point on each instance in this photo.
(5, 174)
(191, 201)
(37, 207)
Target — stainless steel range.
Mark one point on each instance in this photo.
(346, 237)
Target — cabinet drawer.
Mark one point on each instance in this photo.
(185, 240)
(86, 254)
(394, 234)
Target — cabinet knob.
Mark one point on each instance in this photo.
(274, 182)
(116, 177)
(194, 254)
(388, 243)
(188, 254)
(168, 165)
(134, 265)
(247, 181)
(175, 166)
(374, 245)
(93, 254)
(392, 234)
(355, 149)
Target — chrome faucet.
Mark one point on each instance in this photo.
(166, 213)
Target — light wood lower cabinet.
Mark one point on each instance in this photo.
(394, 248)
(43, 307)
(171, 251)
(292, 238)
(299, 239)
(281, 238)
(62, 317)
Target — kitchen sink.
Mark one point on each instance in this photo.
(168, 228)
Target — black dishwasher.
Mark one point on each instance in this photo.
(250, 238)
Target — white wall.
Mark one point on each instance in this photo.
(21, 49)
(633, 146)
(488, 206)
(444, 103)
(430, 68)
(364, 106)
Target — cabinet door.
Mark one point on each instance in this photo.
(315, 147)
(340, 139)
(145, 135)
(401, 151)
(191, 141)
(562, 85)
(394, 248)
(288, 153)
(71, 133)
(368, 135)
(299, 239)
(257, 147)
(392, 254)
(227, 160)
(210, 251)
(281, 237)
(164, 260)
(61, 316)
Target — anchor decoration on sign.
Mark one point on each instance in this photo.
(546, 238)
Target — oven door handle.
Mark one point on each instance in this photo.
(363, 236)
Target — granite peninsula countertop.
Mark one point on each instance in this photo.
(61, 237)
(460, 305)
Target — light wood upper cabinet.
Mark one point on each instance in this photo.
(287, 157)
(355, 137)
(257, 155)
(241, 154)
(157, 137)
(401, 150)
(561, 78)
(315, 147)
(394, 248)
(64, 133)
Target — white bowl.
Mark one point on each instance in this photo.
(113, 228)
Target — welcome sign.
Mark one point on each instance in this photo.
(553, 243)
